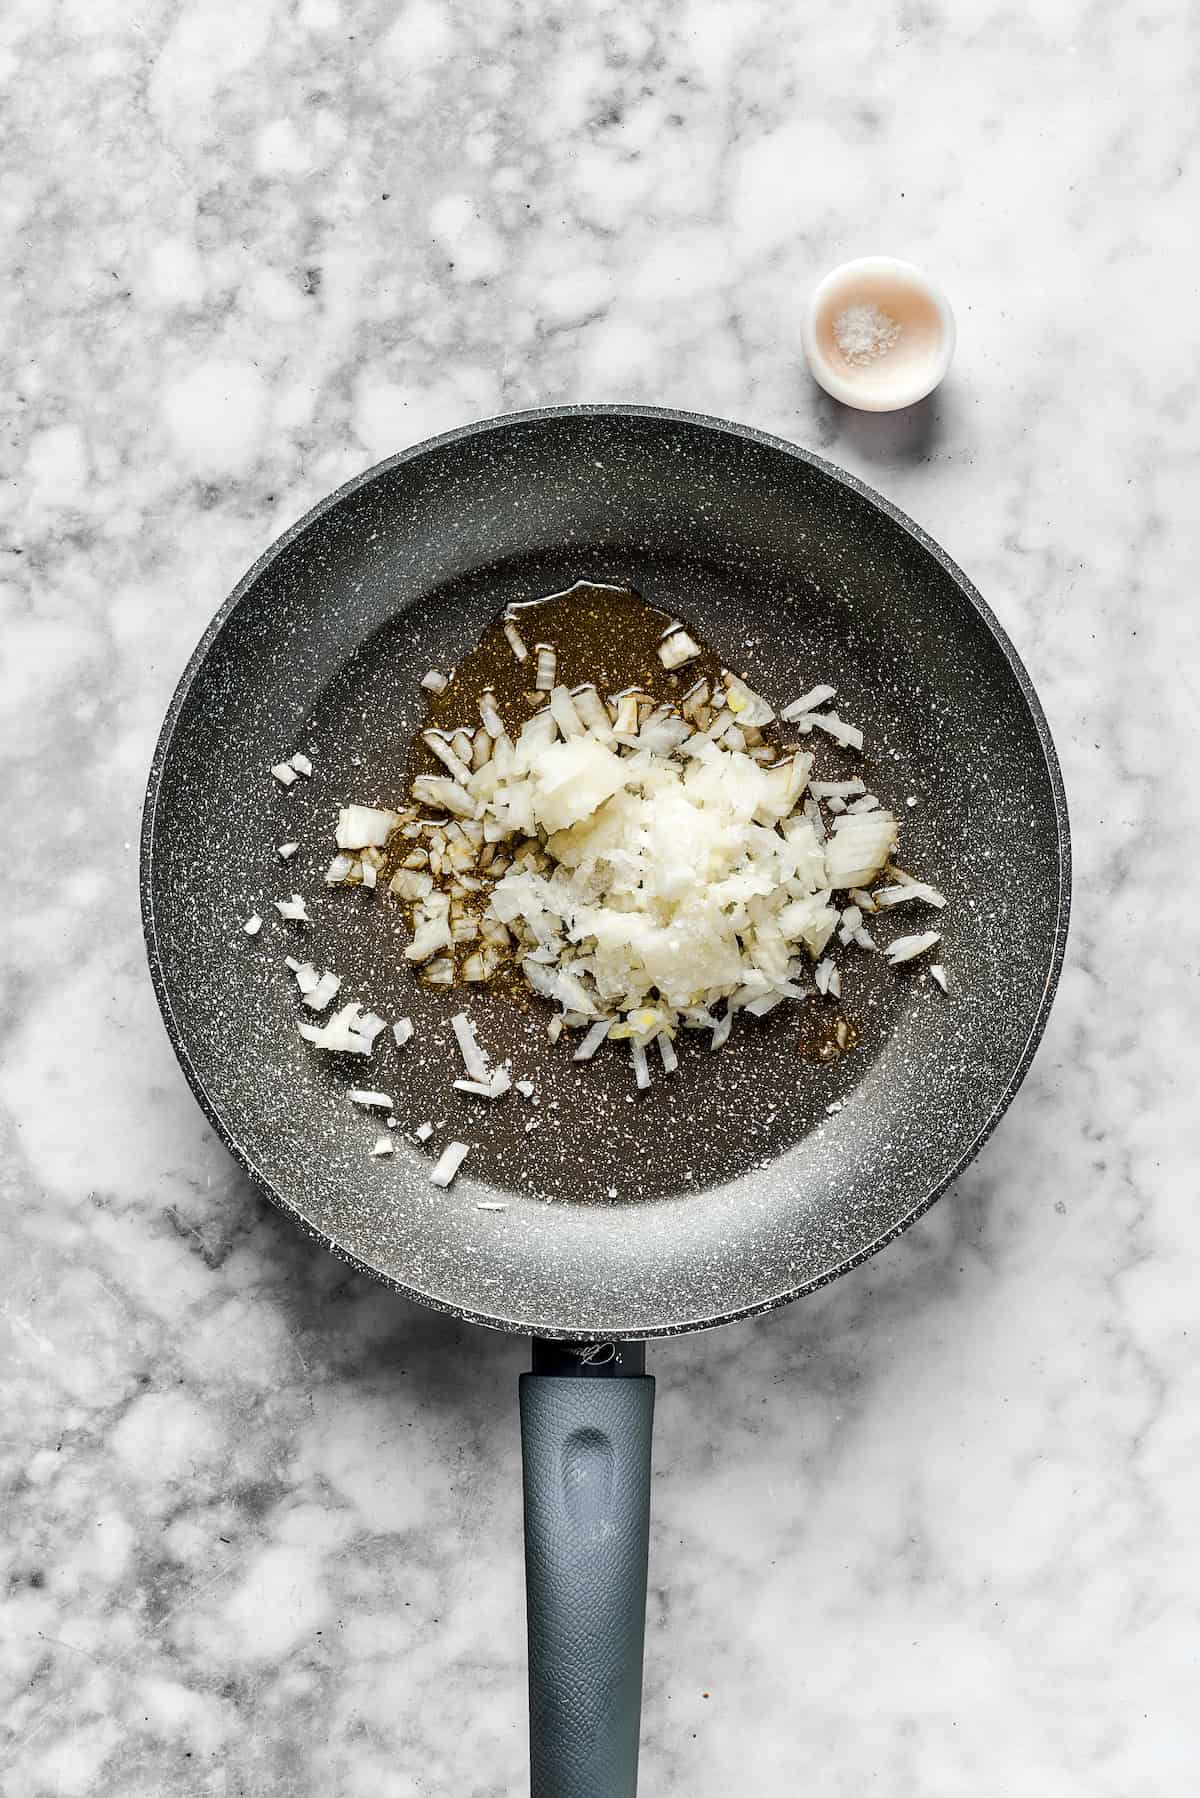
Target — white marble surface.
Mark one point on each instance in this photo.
(929, 1533)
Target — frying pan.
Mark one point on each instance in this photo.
(751, 1176)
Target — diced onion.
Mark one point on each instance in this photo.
(747, 706)
(848, 735)
(591, 708)
(562, 709)
(677, 648)
(516, 641)
(807, 703)
(430, 936)
(360, 826)
(402, 1030)
(758, 1008)
(307, 978)
(435, 681)
(907, 948)
(938, 973)
(325, 990)
(445, 754)
(301, 764)
(346, 1033)
(908, 890)
(474, 1059)
(370, 1100)
(285, 774)
(593, 1039)
(423, 1132)
(547, 667)
(286, 851)
(452, 1158)
(446, 795)
(492, 721)
(383, 1145)
(293, 909)
(836, 789)
(253, 924)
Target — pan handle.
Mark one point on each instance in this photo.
(585, 1445)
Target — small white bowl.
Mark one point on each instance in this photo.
(918, 359)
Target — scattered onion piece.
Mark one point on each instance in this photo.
(807, 704)
(383, 1145)
(435, 681)
(293, 909)
(370, 1100)
(285, 774)
(452, 1158)
(325, 990)
(286, 851)
(301, 764)
(907, 890)
(938, 973)
(402, 1030)
(848, 735)
(253, 924)
(515, 640)
(423, 1132)
(907, 948)
(346, 1032)
(307, 978)
(474, 1059)
(593, 1040)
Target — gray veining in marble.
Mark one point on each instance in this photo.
(932, 1531)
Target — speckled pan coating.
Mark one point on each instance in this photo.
(736, 1190)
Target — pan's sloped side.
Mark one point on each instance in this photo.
(737, 1190)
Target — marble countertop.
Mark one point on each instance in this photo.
(929, 1532)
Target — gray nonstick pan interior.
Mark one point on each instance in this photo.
(730, 1187)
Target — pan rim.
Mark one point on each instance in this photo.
(842, 478)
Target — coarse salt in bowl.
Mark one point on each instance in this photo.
(878, 334)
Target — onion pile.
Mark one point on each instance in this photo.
(648, 867)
